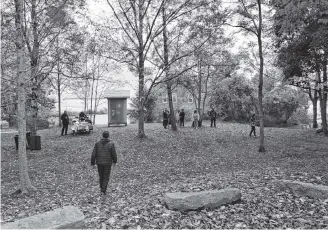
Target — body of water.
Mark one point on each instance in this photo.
(101, 119)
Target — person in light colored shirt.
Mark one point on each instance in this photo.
(177, 117)
(196, 119)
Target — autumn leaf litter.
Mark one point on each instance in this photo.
(189, 160)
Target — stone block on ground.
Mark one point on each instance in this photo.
(303, 189)
(186, 201)
(68, 217)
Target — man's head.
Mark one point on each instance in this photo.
(65, 112)
(105, 134)
(182, 110)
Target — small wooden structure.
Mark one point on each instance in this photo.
(117, 106)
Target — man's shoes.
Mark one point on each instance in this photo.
(103, 193)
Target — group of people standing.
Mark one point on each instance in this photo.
(180, 118)
(196, 121)
(65, 121)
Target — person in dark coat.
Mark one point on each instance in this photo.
(65, 121)
(104, 155)
(82, 116)
(252, 121)
(213, 117)
(182, 117)
(165, 118)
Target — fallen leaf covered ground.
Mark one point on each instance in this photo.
(167, 161)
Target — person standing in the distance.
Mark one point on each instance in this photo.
(104, 155)
(252, 122)
(82, 116)
(165, 118)
(196, 119)
(65, 120)
(177, 118)
(213, 117)
(182, 117)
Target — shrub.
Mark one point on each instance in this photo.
(149, 108)
(299, 117)
(42, 123)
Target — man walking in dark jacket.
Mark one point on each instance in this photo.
(104, 155)
(65, 121)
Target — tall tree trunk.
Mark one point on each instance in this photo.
(205, 91)
(59, 97)
(196, 104)
(85, 103)
(324, 99)
(314, 100)
(86, 96)
(92, 84)
(141, 66)
(96, 99)
(91, 97)
(34, 56)
(172, 114)
(25, 182)
(199, 89)
(315, 113)
(86, 83)
(58, 85)
(260, 93)
(167, 75)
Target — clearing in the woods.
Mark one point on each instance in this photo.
(188, 160)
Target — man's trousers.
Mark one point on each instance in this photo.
(104, 173)
(213, 122)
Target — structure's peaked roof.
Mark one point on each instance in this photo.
(117, 94)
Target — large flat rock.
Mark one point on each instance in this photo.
(303, 189)
(68, 217)
(186, 201)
